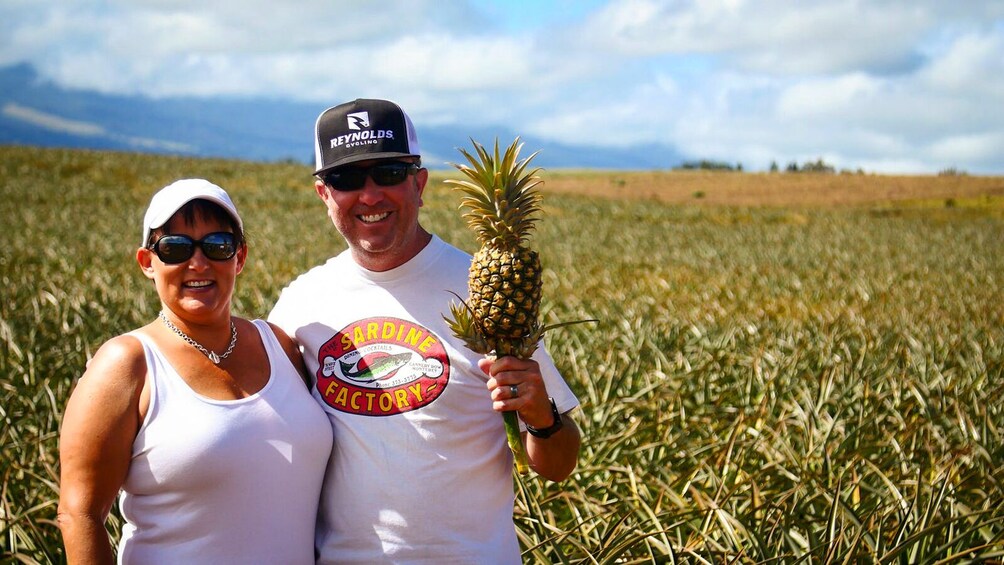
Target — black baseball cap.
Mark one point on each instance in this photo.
(360, 130)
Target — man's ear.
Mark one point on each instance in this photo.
(144, 257)
(322, 189)
(421, 179)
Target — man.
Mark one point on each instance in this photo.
(420, 471)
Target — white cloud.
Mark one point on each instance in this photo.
(766, 36)
(863, 116)
(975, 148)
(76, 127)
(838, 95)
(973, 61)
(51, 122)
(885, 84)
(454, 63)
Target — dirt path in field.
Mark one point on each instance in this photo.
(778, 189)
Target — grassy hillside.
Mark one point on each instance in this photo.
(783, 377)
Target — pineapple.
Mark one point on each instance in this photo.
(501, 316)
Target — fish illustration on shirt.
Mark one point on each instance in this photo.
(376, 370)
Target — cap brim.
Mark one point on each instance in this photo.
(365, 157)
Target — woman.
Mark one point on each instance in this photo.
(200, 419)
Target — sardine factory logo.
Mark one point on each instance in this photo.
(382, 366)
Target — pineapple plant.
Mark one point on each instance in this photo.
(501, 315)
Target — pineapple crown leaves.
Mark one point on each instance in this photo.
(464, 326)
(501, 195)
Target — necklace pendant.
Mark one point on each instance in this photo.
(210, 354)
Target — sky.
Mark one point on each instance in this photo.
(913, 86)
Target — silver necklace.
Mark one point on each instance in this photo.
(211, 354)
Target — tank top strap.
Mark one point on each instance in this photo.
(161, 378)
(159, 369)
(268, 338)
(276, 354)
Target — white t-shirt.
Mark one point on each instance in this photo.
(225, 481)
(420, 471)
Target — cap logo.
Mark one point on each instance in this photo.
(358, 120)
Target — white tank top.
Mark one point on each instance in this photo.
(225, 481)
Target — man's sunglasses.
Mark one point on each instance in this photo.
(174, 249)
(347, 179)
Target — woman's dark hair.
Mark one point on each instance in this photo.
(206, 210)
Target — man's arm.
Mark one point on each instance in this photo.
(555, 458)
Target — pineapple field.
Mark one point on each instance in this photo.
(787, 368)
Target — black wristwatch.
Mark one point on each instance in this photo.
(550, 430)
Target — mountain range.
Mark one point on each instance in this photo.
(34, 111)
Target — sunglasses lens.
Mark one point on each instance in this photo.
(174, 249)
(346, 179)
(219, 246)
(353, 178)
(389, 174)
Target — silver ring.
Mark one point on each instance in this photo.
(513, 391)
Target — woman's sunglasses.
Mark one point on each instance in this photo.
(347, 179)
(174, 249)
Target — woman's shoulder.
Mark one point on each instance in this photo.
(121, 359)
(113, 380)
(125, 348)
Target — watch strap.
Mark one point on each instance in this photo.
(547, 432)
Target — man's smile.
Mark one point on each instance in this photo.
(373, 218)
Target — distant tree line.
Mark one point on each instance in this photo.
(709, 165)
(817, 166)
(952, 172)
